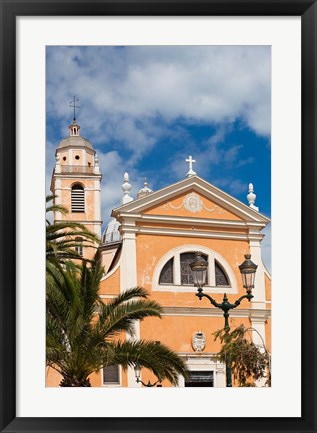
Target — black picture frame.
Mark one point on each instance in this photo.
(10, 9)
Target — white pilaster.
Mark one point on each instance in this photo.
(97, 206)
(220, 377)
(128, 279)
(58, 192)
(259, 285)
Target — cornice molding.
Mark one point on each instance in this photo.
(171, 219)
(76, 176)
(190, 233)
(252, 313)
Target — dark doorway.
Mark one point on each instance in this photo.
(200, 378)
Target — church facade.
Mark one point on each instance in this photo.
(151, 241)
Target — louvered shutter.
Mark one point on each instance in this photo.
(78, 198)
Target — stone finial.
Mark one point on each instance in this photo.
(251, 197)
(126, 188)
(96, 168)
(144, 191)
(191, 172)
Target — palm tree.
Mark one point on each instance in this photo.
(61, 236)
(83, 333)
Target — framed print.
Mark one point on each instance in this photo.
(200, 121)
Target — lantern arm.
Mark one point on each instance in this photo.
(248, 296)
(212, 301)
(149, 384)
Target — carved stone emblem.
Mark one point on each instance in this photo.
(199, 341)
(193, 203)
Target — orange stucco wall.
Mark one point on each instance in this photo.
(177, 331)
(111, 285)
(151, 248)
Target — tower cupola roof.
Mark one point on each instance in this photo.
(74, 139)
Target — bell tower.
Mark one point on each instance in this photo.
(76, 182)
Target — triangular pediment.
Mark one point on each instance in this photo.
(192, 197)
(191, 204)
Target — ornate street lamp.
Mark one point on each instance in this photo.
(247, 269)
(137, 372)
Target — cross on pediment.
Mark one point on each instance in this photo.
(191, 172)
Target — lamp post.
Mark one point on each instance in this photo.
(247, 270)
(137, 372)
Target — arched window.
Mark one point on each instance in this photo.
(78, 198)
(167, 273)
(221, 276)
(185, 269)
(79, 245)
(174, 273)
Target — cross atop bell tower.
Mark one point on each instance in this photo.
(74, 127)
(73, 105)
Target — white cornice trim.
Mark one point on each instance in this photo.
(252, 313)
(73, 147)
(171, 219)
(77, 176)
(216, 290)
(190, 233)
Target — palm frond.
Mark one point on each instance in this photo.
(122, 318)
(156, 357)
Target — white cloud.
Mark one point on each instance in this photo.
(131, 86)
(50, 163)
(130, 97)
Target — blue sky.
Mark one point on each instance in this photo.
(145, 109)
